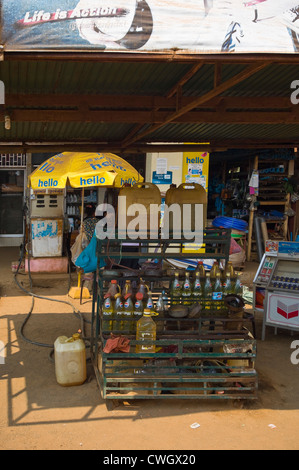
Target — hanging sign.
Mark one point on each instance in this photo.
(196, 168)
(162, 178)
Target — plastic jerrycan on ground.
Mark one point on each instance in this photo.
(141, 193)
(70, 360)
(187, 193)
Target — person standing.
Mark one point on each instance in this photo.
(90, 221)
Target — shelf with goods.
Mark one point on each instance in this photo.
(74, 204)
(208, 353)
(272, 202)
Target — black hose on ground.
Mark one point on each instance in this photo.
(75, 311)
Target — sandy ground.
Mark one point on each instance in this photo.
(37, 413)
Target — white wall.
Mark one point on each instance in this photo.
(174, 164)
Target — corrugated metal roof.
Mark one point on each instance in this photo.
(90, 77)
(75, 78)
(210, 132)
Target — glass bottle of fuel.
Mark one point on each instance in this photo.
(146, 333)
(217, 292)
(138, 311)
(118, 313)
(160, 309)
(128, 312)
(208, 292)
(238, 288)
(149, 303)
(165, 300)
(143, 289)
(228, 287)
(197, 293)
(187, 290)
(107, 313)
(176, 290)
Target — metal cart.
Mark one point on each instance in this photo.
(210, 355)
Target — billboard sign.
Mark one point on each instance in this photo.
(161, 26)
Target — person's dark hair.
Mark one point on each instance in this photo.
(90, 210)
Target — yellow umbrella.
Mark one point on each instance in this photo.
(83, 170)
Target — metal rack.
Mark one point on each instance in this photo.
(210, 355)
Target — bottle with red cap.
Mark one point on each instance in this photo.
(113, 289)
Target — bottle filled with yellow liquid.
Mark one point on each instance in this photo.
(118, 313)
(128, 312)
(146, 333)
(107, 313)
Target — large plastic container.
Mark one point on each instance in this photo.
(143, 194)
(70, 360)
(187, 193)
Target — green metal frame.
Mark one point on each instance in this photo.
(196, 362)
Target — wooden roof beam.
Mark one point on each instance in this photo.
(216, 91)
(140, 101)
(157, 118)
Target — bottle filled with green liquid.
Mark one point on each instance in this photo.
(176, 290)
(228, 286)
(238, 288)
(208, 292)
(218, 292)
(187, 291)
(197, 293)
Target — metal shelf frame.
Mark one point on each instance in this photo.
(211, 356)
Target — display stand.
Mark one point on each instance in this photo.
(276, 289)
(209, 354)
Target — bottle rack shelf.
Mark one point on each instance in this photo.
(209, 355)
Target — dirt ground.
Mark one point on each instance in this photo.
(37, 413)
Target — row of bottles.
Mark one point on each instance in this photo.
(229, 269)
(205, 289)
(118, 310)
(73, 197)
(73, 210)
(120, 307)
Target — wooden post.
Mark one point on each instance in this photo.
(251, 216)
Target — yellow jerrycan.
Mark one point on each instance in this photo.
(139, 198)
(70, 360)
(187, 193)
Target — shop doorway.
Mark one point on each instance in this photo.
(11, 206)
